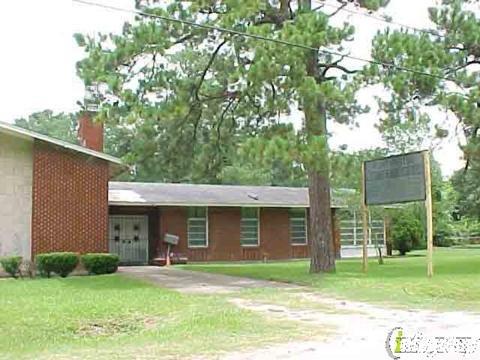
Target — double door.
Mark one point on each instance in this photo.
(128, 238)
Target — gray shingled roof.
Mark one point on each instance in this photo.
(158, 194)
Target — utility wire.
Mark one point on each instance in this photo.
(261, 38)
(355, 12)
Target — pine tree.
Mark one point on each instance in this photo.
(194, 90)
(451, 53)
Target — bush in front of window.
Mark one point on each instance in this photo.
(60, 263)
(97, 264)
(11, 265)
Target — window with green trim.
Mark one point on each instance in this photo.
(298, 226)
(249, 227)
(197, 227)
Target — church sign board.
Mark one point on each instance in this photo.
(395, 179)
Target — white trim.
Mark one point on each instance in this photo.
(259, 224)
(258, 229)
(206, 230)
(305, 219)
(139, 203)
(354, 228)
(27, 134)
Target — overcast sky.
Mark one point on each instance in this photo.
(38, 56)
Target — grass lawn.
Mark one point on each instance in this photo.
(399, 282)
(116, 317)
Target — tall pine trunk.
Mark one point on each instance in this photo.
(322, 250)
(322, 247)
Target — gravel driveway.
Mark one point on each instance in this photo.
(195, 282)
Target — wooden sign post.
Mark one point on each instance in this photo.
(429, 210)
(365, 224)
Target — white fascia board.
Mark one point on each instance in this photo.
(148, 204)
(27, 134)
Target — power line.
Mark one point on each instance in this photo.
(261, 38)
(355, 12)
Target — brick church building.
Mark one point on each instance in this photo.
(57, 196)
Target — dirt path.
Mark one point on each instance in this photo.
(195, 282)
(361, 329)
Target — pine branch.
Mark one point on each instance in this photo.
(222, 118)
(334, 65)
(465, 65)
(205, 70)
(340, 8)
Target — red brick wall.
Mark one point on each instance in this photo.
(224, 235)
(275, 233)
(70, 201)
(173, 220)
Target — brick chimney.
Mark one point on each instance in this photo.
(90, 133)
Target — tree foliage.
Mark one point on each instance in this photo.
(199, 91)
(193, 91)
(60, 126)
(467, 189)
(267, 159)
(452, 56)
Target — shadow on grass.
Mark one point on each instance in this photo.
(412, 266)
(407, 270)
(404, 256)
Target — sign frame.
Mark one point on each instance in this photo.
(387, 158)
(428, 208)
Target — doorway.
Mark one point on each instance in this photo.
(128, 238)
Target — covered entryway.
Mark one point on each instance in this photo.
(128, 238)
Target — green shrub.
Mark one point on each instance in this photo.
(406, 232)
(441, 239)
(100, 263)
(61, 263)
(11, 265)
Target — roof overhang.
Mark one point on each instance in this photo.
(259, 205)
